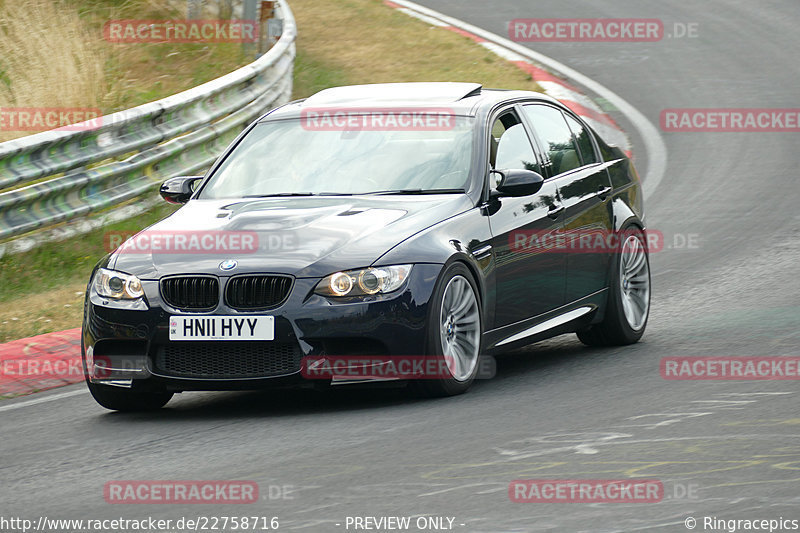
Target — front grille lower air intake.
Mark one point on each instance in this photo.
(228, 359)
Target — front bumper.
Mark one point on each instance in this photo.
(126, 343)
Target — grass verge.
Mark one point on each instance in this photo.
(364, 41)
(69, 64)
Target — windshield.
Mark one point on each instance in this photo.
(284, 157)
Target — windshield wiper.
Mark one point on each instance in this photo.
(416, 191)
(279, 194)
(375, 193)
(299, 194)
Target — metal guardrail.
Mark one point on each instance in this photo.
(72, 174)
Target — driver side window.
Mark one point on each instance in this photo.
(510, 146)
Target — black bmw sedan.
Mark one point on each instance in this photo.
(422, 223)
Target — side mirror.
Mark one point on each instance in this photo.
(517, 183)
(178, 190)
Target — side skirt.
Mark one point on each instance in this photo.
(566, 319)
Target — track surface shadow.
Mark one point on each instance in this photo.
(552, 359)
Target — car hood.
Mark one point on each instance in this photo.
(303, 236)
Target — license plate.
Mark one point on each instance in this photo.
(221, 328)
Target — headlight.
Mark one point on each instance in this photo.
(364, 281)
(116, 285)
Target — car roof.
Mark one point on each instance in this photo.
(461, 98)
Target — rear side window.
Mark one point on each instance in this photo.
(552, 129)
(582, 135)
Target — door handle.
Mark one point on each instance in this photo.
(554, 211)
(603, 192)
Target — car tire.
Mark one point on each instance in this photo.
(625, 320)
(455, 328)
(130, 400)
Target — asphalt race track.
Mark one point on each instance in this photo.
(726, 284)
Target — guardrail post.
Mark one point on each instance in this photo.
(272, 22)
(194, 9)
(250, 14)
(265, 29)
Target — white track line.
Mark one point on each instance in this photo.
(51, 398)
(653, 143)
